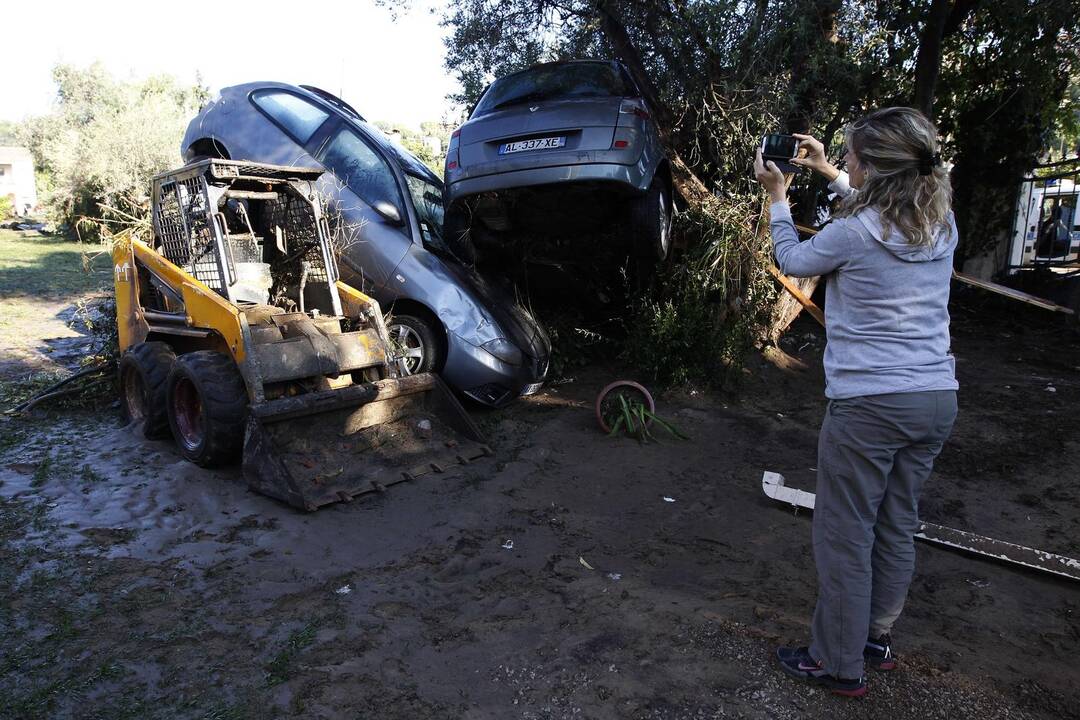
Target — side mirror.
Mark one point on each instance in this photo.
(388, 211)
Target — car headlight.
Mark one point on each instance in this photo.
(504, 350)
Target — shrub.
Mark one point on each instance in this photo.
(104, 140)
(708, 310)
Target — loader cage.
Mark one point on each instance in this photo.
(227, 222)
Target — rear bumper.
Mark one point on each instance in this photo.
(483, 377)
(633, 177)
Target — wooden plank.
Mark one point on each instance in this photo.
(773, 485)
(988, 286)
(1011, 293)
(791, 287)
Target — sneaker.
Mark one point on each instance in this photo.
(797, 663)
(878, 653)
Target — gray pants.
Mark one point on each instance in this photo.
(874, 453)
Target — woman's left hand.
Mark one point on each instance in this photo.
(770, 178)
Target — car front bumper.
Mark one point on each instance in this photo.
(487, 379)
(633, 177)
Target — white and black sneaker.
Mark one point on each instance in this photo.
(878, 653)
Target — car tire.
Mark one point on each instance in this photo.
(207, 405)
(144, 374)
(650, 222)
(419, 341)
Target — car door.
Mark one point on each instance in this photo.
(370, 245)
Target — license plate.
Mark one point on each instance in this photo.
(532, 389)
(550, 143)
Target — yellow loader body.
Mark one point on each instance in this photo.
(270, 355)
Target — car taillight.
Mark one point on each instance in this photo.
(620, 144)
(452, 150)
(634, 106)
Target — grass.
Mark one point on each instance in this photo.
(13, 392)
(38, 274)
(35, 265)
(278, 669)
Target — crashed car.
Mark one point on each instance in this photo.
(388, 209)
(568, 140)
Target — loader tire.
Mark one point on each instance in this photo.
(144, 374)
(207, 405)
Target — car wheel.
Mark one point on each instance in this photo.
(207, 406)
(415, 339)
(144, 370)
(650, 219)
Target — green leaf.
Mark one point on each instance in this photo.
(616, 427)
(668, 426)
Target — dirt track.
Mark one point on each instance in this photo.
(135, 585)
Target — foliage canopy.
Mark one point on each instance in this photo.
(104, 139)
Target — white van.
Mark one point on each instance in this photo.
(1047, 224)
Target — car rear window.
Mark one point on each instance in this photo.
(296, 115)
(555, 81)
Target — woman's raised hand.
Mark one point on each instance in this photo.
(770, 178)
(815, 157)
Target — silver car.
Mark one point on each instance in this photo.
(389, 208)
(571, 139)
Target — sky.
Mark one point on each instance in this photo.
(388, 69)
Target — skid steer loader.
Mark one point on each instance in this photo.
(239, 338)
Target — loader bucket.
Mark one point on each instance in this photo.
(315, 449)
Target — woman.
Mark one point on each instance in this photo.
(887, 256)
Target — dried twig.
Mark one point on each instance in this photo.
(54, 391)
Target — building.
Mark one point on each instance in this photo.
(17, 178)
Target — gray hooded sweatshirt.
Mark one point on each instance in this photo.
(886, 301)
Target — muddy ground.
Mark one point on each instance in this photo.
(553, 581)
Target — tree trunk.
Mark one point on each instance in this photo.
(944, 18)
(686, 183)
(751, 39)
(624, 47)
(805, 86)
(928, 64)
(787, 308)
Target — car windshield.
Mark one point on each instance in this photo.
(555, 81)
(428, 201)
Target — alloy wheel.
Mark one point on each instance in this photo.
(409, 346)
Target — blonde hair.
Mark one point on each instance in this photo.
(897, 148)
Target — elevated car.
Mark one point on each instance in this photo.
(387, 207)
(568, 140)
